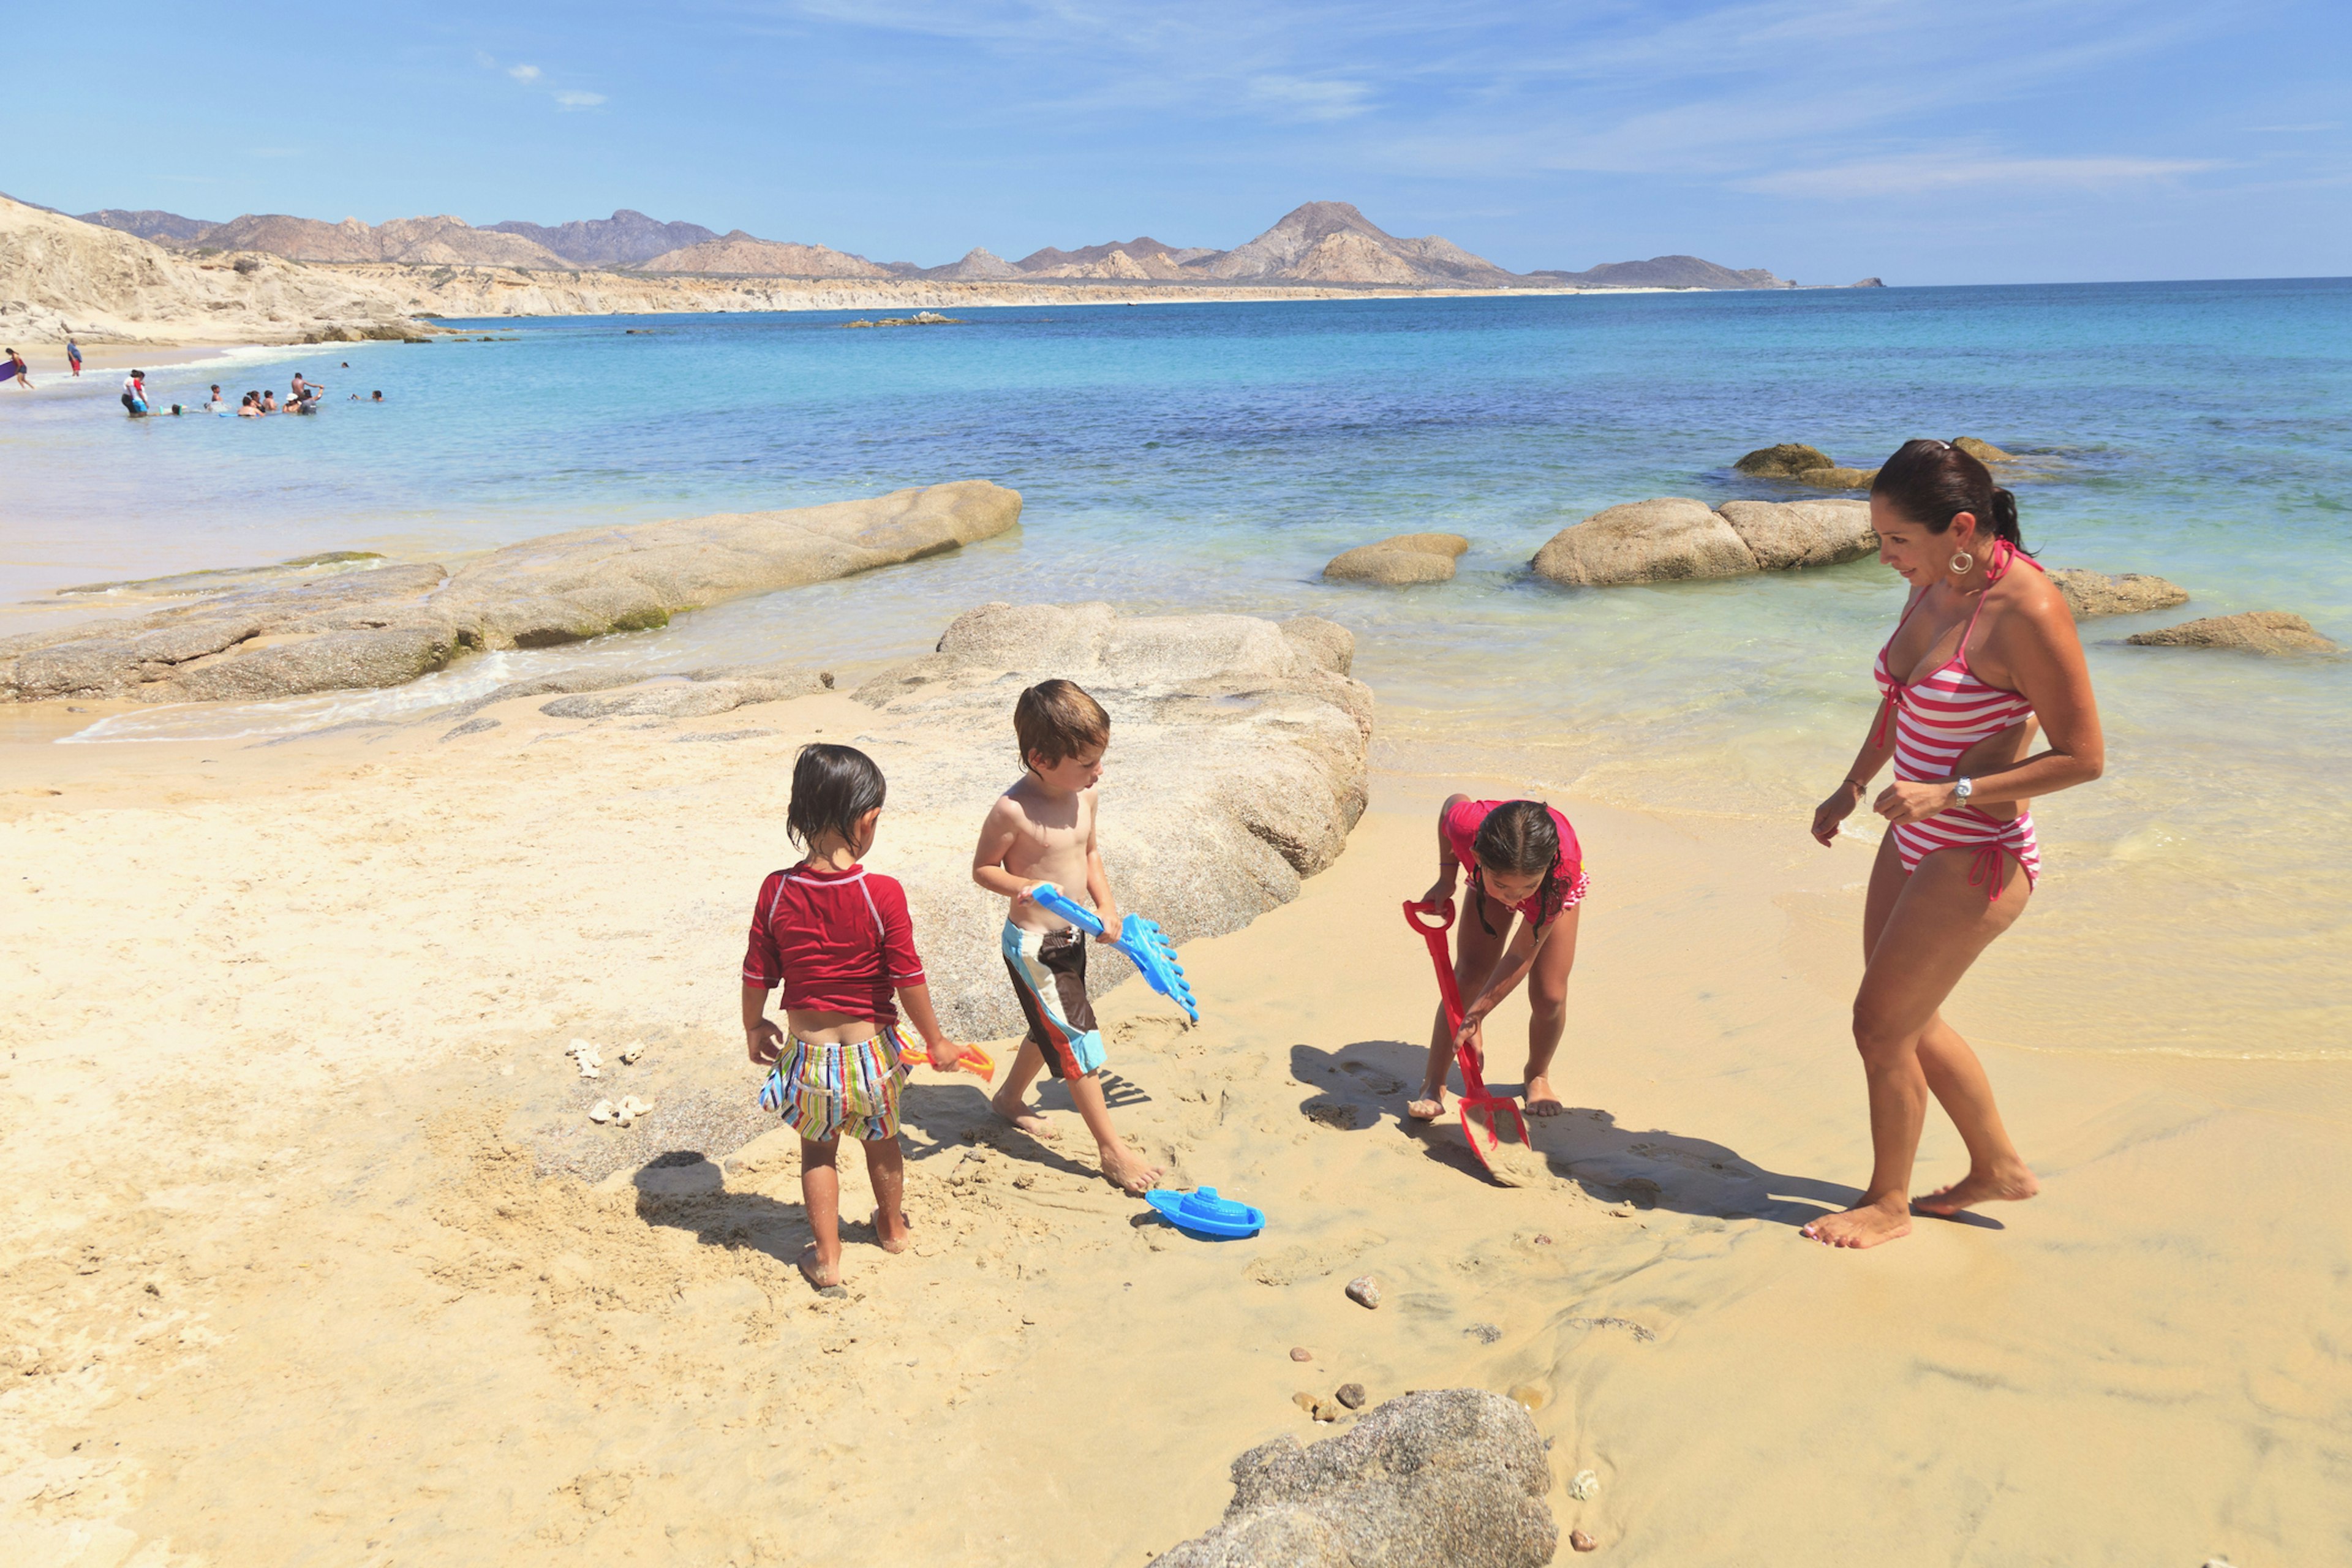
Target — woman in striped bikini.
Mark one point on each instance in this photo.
(1983, 652)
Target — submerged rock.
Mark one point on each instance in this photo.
(1455, 1476)
(2256, 631)
(353, 630)
(1982, 451)
(1785, 461)
(1237, 768)
(1645, 541)
(1835, 478)
(1407, 558)
(2089, 594)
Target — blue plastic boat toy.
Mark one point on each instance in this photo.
(1139, 939)
(1203, 1213)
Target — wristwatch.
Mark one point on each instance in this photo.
(1962, 789)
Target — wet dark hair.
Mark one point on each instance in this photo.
(1932, 482)
(833, 786)
(1520, 836)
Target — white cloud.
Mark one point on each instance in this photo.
(1933, 170)
(579, 99)
(523, 73)
(1311, 99)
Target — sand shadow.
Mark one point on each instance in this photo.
(1362, 1087)
(936, 1119)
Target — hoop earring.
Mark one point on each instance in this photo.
(1962, 562)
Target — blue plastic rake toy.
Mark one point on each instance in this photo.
(1139, 939)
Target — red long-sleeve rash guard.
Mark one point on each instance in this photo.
(840, 942)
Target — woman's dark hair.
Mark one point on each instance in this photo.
(833, 786)
(1519, 836)
(1932, 482)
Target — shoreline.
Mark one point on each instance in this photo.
(2092, 1376)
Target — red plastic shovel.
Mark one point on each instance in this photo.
(1475, 1101)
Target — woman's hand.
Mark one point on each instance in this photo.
(1906, 801)
(1834, 810)
(765, 1042)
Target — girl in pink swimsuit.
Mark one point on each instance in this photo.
(1523, 860)
(1982, 654)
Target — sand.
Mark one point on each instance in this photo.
(285, 1034)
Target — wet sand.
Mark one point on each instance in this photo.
(284, 1056)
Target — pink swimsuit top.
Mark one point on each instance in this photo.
(1944, 712)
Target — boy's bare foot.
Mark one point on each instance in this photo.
(2013, 1185)
(1022, 1117)
(1541, 1100)
(823, 1280)
(887, 1242)
(1428, 1107)
(1865, 1225)
(1130, 1170)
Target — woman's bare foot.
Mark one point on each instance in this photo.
(1429, 1107)
(1130, 1170)
(889, 1241)
(1865, 1225)
(823, 1280)
(1022, 1117)
(1541, 1100)
(2013, 1185)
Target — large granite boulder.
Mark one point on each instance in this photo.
(2256, 631)
(2089, 594)
(1645, 541)
(1405, 559)
(337, 622)
(1785, 461)
(1454, 1477)
(1784, 534)
(1237, 767)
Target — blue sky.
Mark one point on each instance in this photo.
(2000, 140)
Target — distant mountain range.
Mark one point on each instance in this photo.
(1320, 243)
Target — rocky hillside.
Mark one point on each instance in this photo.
(424, 241)
(625, 239)
(58, 272)
(148, 223)
(740, 255)
(1331, 242)
(1665, 272)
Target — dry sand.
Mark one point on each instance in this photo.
(284, 1034)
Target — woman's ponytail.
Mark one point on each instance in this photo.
(2003, 520)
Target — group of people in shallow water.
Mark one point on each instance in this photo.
(302, 397)
(1983, 661)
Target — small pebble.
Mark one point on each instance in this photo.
(1351, 1394)
(1364, 1290)
(1528, 1396)
(1300, 1353)
(1582, 1541)
(1584, 1487)
(1321, 1409)
(1543, 1241)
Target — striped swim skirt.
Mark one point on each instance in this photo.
(828, 1091)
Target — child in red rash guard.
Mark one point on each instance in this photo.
(838, 939)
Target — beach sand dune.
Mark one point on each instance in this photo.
(313, 1254)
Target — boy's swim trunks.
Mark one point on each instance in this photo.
(1049, 976)
(828, 1091)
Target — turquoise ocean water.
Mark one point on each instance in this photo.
(1212, 457)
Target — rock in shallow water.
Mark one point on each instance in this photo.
(1661, 540)
(2256, 631)
(1452, 1476)
(1405, 559)
(2089, 594)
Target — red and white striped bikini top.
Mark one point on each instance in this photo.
(1944, 712)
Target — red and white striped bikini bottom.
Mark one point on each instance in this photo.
(1988, 838)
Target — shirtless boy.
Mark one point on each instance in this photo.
(1043, 830)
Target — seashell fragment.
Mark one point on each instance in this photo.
(632, 1051)
(601, 1112)
(1585, 1487)
(590, 1059)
